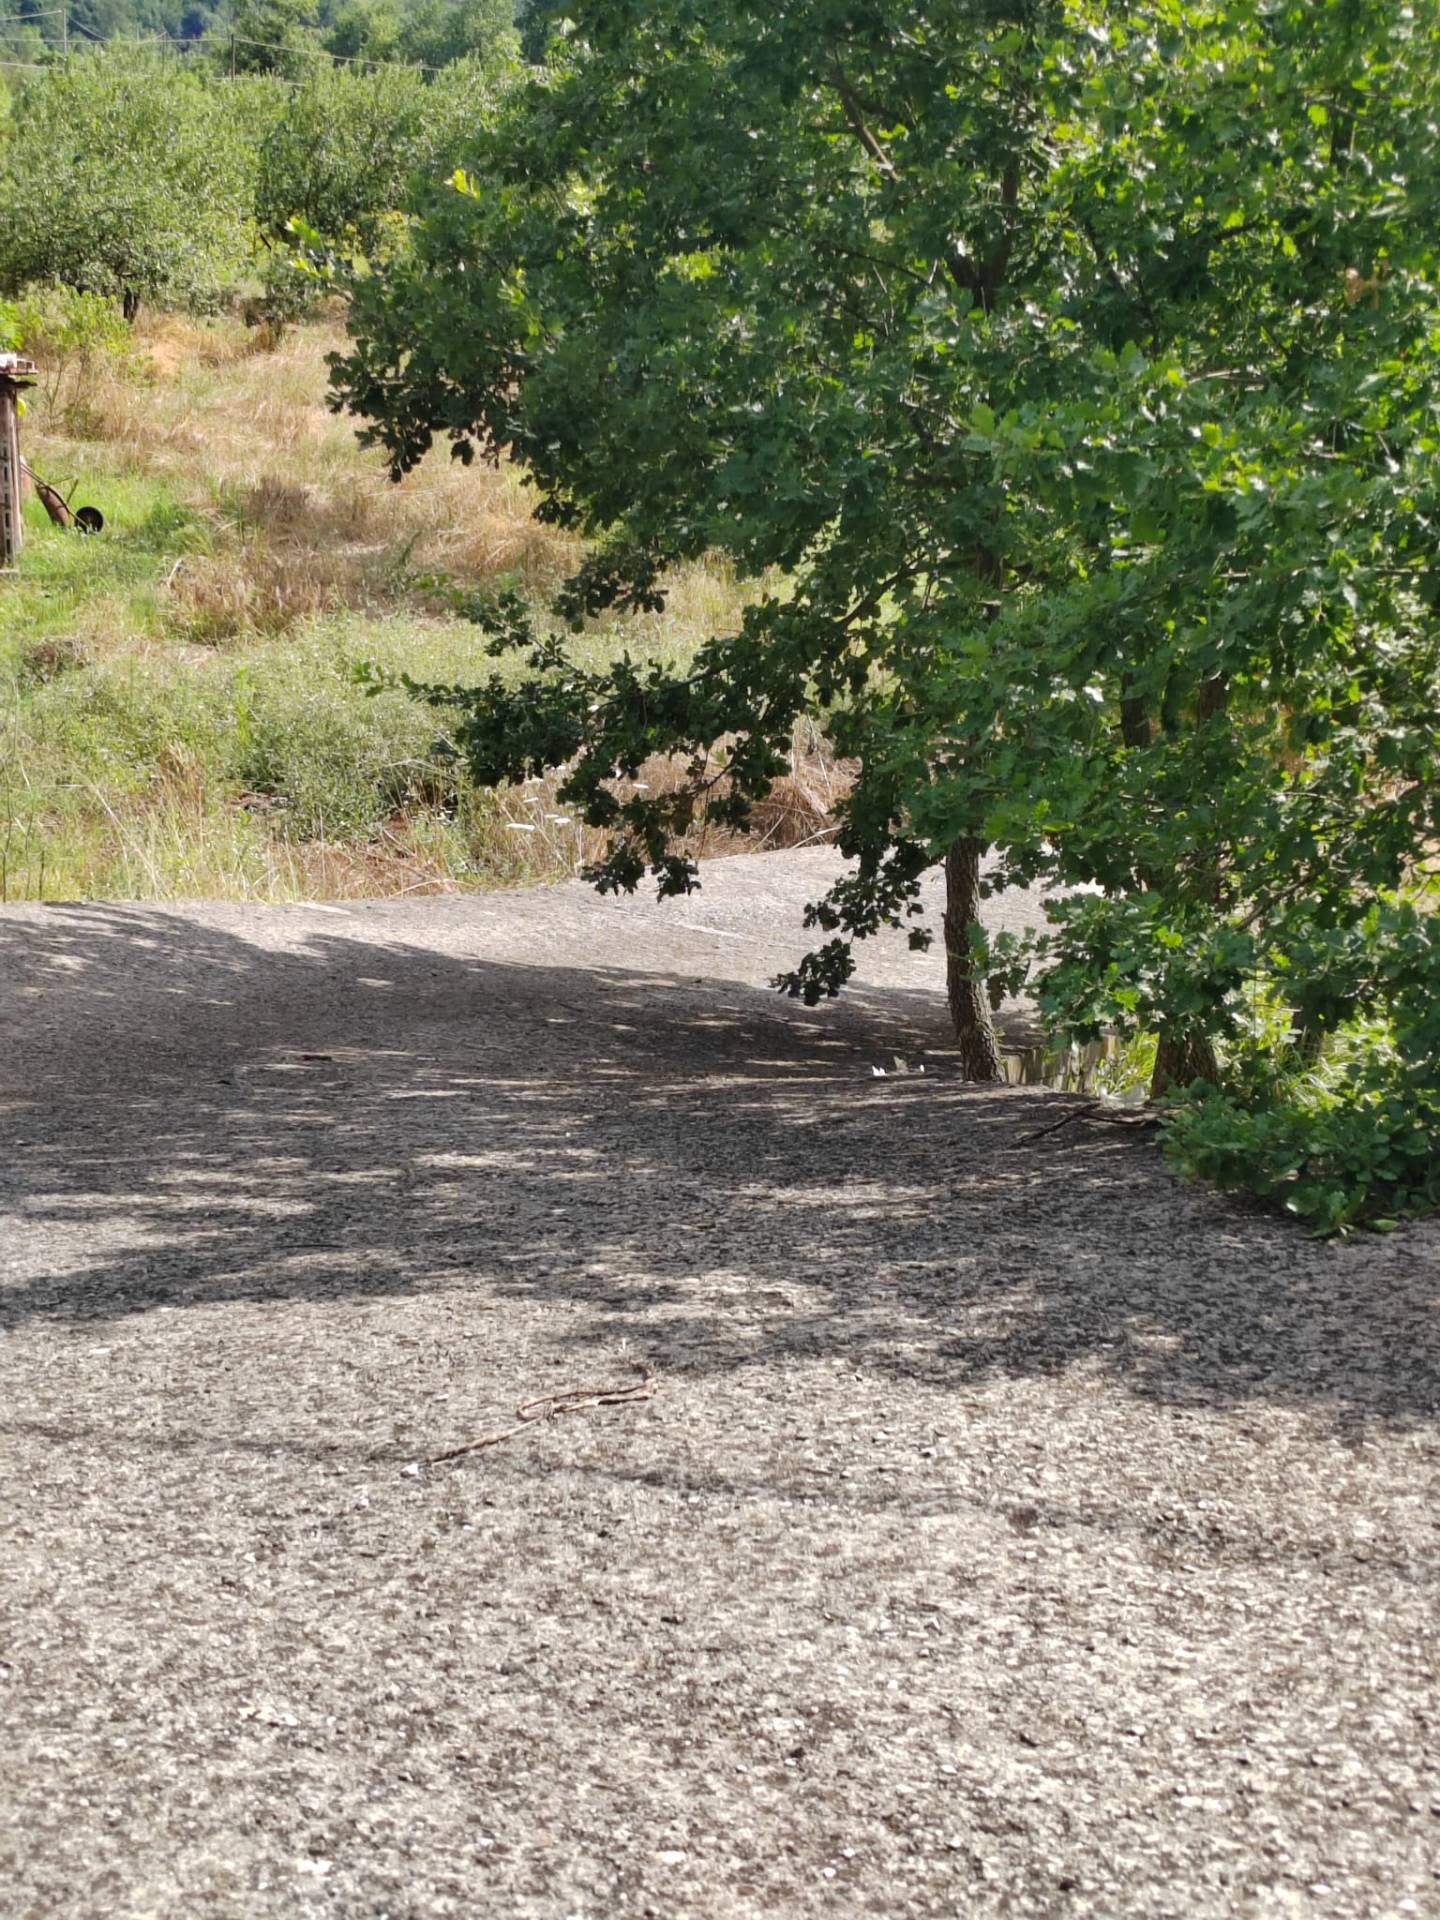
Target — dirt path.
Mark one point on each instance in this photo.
(1012, 1529)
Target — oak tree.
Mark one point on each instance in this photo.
(1073, 366)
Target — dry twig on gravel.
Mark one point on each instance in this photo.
(548, 1405)
(1094, 1110)
(1075, 1113)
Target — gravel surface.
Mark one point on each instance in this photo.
(1011, 1529)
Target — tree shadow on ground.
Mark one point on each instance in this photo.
(699, 1167)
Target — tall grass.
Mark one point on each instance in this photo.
(178, 707)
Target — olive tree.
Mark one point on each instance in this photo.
(127, 174)
(343, 154)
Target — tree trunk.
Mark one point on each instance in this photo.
(969, 1002)
(1181, 1058)
(129, 303)
(1135, 730)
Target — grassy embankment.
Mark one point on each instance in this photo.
(177, 705)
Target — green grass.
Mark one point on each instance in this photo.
(98, 587)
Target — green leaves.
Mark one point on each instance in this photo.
(343, 154)
(1079, 370)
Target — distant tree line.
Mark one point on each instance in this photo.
(265, 35)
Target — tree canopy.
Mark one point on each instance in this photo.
(1076, 364)
(149, 175)
(342, 154)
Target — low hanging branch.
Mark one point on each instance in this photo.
(1147, 620)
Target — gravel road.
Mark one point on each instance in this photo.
(1009, 1529)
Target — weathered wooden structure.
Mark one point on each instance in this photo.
(16, 373)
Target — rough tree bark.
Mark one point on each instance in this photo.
(1179, 1059)
(969, 1002)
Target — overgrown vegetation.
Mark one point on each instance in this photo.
(128, 175)
(179, 707)
(129, 171)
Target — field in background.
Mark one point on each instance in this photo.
(177, 699)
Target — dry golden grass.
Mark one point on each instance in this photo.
(301, 518)
(798, 811)
(293, 470)
(255, 549)
(254, 589)
(173, 341)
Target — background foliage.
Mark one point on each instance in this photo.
(127, 175)
(143, 171)
(237, 36)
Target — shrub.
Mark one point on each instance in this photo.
(53, 322)
(71, 335)
(1345, 1132)
(342, 765)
